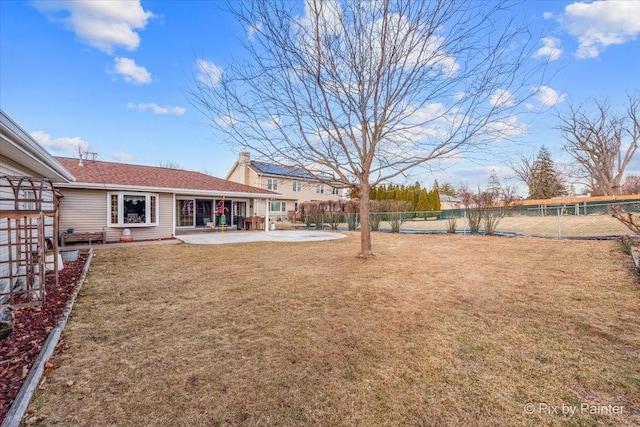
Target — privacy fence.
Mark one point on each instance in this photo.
(562, 221)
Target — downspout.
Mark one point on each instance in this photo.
(173, 215)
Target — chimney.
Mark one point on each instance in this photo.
(244, 158)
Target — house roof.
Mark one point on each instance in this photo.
(19, 147)
(109, 174)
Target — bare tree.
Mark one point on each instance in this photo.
(525, 170)
(631, 185)
(602, 143)
(361, 92)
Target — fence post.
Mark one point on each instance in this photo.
(559, 224)
(464, 215)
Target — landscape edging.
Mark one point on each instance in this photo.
(21, 402)
(635, 256)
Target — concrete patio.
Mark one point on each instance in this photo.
(259, 236)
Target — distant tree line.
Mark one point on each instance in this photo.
(417, 198)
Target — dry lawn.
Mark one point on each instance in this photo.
(547, 226)
(436, 330)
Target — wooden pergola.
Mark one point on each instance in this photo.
(29, 221)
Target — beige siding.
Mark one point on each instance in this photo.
(237, 175)
(308, 192)
(86, 211)
(83, 210)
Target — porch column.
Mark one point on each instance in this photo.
(266, 216)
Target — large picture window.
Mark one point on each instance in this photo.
(133, 209)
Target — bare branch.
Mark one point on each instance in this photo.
(369, 90)
(602, 143)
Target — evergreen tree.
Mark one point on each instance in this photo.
(423, 201)
(447, 189)
(436, 199)
(546, 181)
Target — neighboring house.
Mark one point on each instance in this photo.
(28, 207)
(295, 185)
(152, 202)
(449, 203)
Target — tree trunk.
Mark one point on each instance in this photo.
(365, 229)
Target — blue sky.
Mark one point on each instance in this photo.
(115, 76)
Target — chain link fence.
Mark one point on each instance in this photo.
(565, 221)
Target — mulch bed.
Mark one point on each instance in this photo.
(32, 325)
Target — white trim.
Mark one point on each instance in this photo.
(177, 191)
(173, 216)
(121, 223)
(24, 150)
(266, 216)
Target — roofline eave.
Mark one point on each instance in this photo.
(177, 191)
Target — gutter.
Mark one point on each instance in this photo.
(179, 191)
(31, 148)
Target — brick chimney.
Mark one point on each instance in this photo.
(244, 159)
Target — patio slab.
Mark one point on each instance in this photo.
(259, 236)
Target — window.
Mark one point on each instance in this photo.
(272, 184)
(297, 186)
(133, 209)
(29, 200)
(335, 191)
(277, 206)
(320, 189)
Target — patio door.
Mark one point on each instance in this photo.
(204, 212)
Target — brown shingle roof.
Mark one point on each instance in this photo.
(98, 172)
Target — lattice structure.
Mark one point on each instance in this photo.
(29, 218)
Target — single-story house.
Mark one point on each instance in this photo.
(295, 184)
(449, 203)
(152, 202)
(28, 210)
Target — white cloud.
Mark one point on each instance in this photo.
(208, 72)
(226, 120)
(253, 29)
(65, 145)
(502, 97)
(504, 128)
(157, 109)
(548, 96)
(551, 49)
(121, 156)
(547, 15)
(130, 72)
(101, 24)
(599, 24)
(459, 95)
